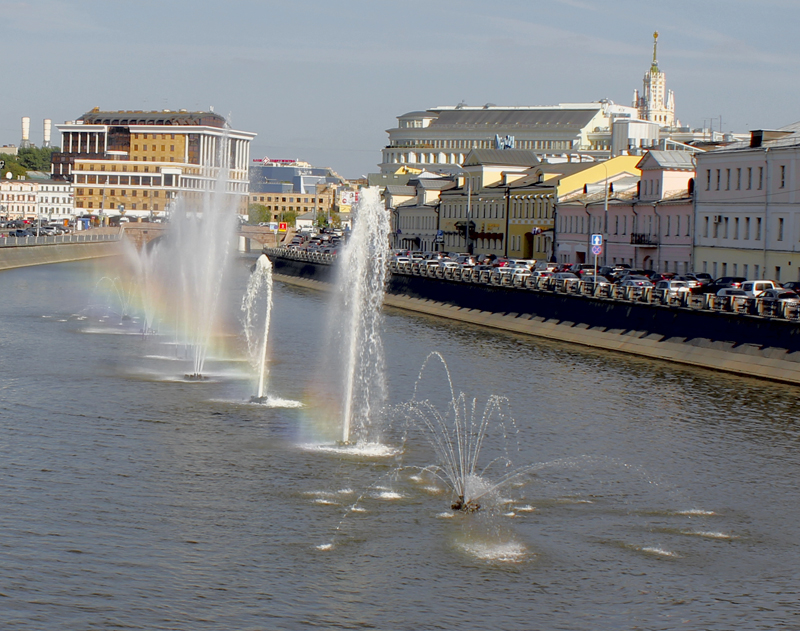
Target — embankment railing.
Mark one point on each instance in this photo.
(785, 310)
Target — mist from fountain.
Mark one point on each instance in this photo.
(359, 293)
(185, 272)
(260, 282)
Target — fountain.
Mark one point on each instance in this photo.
(457, 435)
(184, 273)
(359, 294)
(261, 278)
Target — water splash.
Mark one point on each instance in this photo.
(359, 293)
(260, 280)
(457, 435)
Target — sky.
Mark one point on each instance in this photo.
(322, 81)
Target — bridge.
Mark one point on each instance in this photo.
(250, 237)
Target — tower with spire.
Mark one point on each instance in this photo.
(656, 103)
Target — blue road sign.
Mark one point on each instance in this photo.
(597, 239)
(597, 250)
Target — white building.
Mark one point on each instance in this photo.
(441, 137)
(54, 199)
(48, 200)
(747, 213)
(18, 199)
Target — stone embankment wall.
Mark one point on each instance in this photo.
(734, 343)
(24, 256)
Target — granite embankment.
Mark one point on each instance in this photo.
(735, 343)
(46, 250)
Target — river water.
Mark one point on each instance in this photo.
(666, 497)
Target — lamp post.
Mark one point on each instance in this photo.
(605, 217)
(468, 182)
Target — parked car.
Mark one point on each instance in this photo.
(673, 287)
(793, 285)
(731, 291)
(565, 276)
(700, 277)
(721, 283)
(779, 295)
(636, 282)
(754, 288)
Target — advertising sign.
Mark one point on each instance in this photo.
(282, 227)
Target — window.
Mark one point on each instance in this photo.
(738, 179)
(760, 178)
(783, 176)
(745, 270)
(758, 228)
(708, 179)
(144, 147)
(746, 229)
(718, 177)
(727, 179)
(756, 269)
(749, 178)
(735, 231)
(726, 231)
(780, 229)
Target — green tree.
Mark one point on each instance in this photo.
(36, 158)
(258, 213)
(289, 217)
(13, 166)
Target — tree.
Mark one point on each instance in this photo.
(36, 158)
(258, 213)
(12, 166)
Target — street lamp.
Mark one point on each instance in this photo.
(605, 216)
(468, 182)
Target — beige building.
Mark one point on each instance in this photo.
(139, 162)
(747, 213)
(321, 202)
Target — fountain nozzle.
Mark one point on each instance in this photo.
(465, 506)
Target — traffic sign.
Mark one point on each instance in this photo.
(282, 226)
(597, 250)
(597, 239)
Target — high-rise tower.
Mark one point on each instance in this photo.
(656, 103)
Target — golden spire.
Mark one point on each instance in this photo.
(654, 67)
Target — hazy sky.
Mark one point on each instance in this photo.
(322, 80)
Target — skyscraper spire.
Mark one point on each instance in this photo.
(654, 67)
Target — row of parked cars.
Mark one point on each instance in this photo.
(21, 228)
(672, 284)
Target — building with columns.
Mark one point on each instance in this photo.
(138, 162)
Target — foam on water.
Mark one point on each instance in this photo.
(708, 534)
(369, 450)
(658, 551)
(695, 511)
(277, 402)
(389, 495)
(507, 552)
(324, 546)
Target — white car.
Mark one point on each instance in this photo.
(673, 287)
(754, 288)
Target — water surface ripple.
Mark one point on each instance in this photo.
(666, 498)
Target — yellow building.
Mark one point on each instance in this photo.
(137, 163)
(507, 200)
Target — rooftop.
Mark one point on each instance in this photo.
(123, 118)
